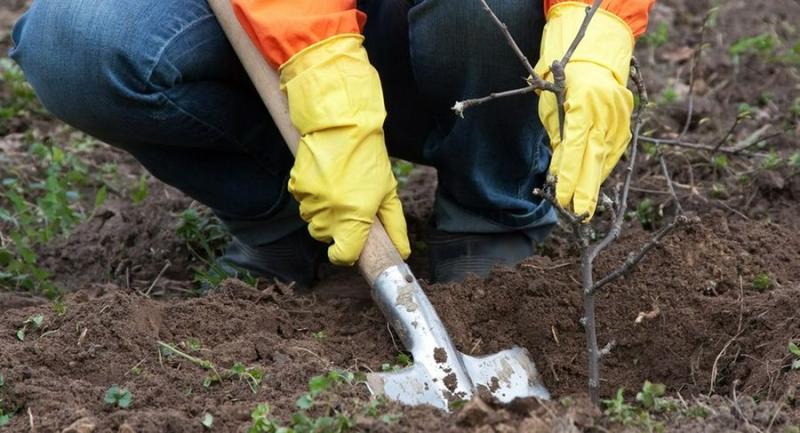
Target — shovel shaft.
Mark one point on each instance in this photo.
(379, 253)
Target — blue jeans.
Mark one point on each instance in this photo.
(158, 79)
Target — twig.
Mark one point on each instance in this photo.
(698, 146)
(634, 259)
(727, 134)
(461, 106)
(590, 11)
(510, 39)
(667, 176)
(158, 277)
(739, 330)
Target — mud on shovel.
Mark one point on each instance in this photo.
(441, 374)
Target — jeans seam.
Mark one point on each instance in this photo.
(159, 57)
(160, 54)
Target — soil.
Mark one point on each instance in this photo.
(691, 316)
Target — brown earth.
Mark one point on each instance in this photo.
(704, 327)
(699, 282)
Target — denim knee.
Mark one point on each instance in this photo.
(459, 37)
(92, 61)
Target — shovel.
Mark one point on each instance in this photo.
(440, 375)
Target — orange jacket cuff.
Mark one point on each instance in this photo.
(282, 28)
(634, 12)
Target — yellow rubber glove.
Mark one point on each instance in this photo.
(598, 105)
(342, 176)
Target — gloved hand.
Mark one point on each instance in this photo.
(342, 176)
(598, 105)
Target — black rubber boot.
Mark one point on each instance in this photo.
(453, 256)
(293, 258)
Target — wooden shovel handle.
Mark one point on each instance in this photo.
(379, 253)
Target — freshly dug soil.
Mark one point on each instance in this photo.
(704, 316)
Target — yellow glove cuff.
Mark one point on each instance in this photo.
(332, 84)
(608, 41)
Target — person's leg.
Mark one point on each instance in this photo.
(159, 79)
(490, 161)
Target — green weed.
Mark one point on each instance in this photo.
(640, 415)
(207, 421)
(401, 361)
(761, 282)
(21, 100)
(668, 96)
(141, 190)
(762, 45)
(205, 237)
(319, 410)
(656, 38)
(34, 212)
(31, 323)
(795, 352)
(794, 161)
(772, 161)
(647, 214)
(720, 161)
(5, 417)
(119, 397)
(401, 170)
(253, 376)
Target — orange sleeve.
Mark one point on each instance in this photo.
(633, 12)
(282, 28)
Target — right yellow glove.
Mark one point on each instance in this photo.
(342, 176)
(598, 105)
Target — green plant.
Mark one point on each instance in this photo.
(794, 161)
(319, 384)
(401, 170)
(205, 237)
(59, 307)
(21, 99)
(119, 397)
(794, 350)
(795, 108)
(31, 323)
(402, 360)
(668, 96)
(253, 376)
(5, 418)
(319, 410)
(761, 282)
(319, 335)
(649, 401)
(772, 161)
(656, 38)
(207, 421)
(34, 212)
(647, 214)
(762, 45)
(141, 190)
(202, 232)
(720, 161)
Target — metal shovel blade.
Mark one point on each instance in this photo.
(441, 375)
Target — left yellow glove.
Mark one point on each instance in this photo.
(598, 105)
(342, 176)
